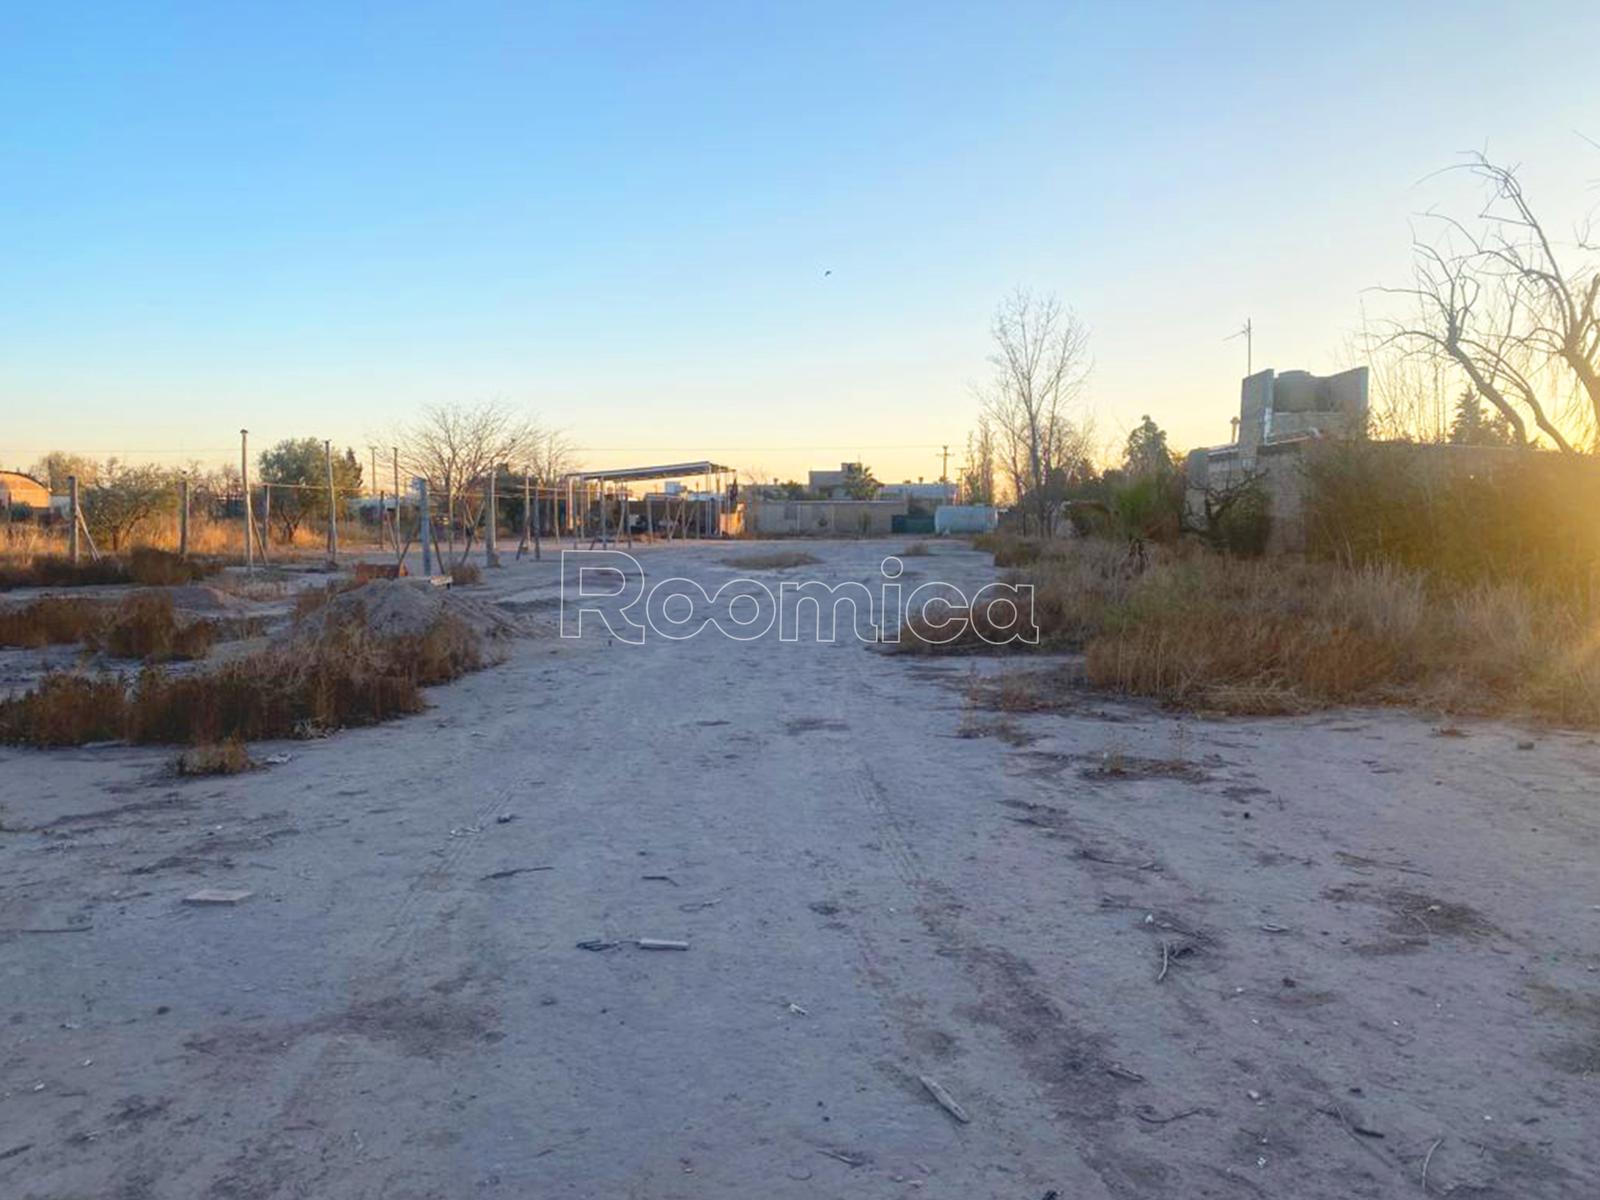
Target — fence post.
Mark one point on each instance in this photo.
(244, 487)
(333, 507)
(74, 549)
(424, 527)
(394, 529)
(183, 517)
(491, 504)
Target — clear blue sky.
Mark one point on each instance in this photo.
(312, 219)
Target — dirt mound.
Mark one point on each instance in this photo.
(407, 608)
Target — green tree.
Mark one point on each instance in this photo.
(1473, 426)
(859, 483)
(121, 498)
(298, 470)
(1146, 452)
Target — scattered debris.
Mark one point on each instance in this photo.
(846, 1159)
(661, 879)
(1166, 959)
(945, 1099)
(505, 818)
(661, 944)
(695, 905)
(797, 1010)
(15, 1150)
(598, 944)
(1147, 1114)
(1273, 928)
(1428, 1158)
(1525, 745)
(218, 896)
(277, 760)
(1122, 1072)
(510, 871)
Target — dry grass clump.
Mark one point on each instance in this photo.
(144, 565)
(1202, 630)
(465, 573)
(146, 626)
(1271, 637)
(774, 561)
(916, 550)
(163, 568)
(52, 621)
(229, 757)
(348, 676)
(53, 570)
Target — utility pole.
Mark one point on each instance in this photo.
(244, 486)
(183, 517)
(333, 507)
(395, 528)
(73, 550)
(372, 490)
(491, 552)
(944, 466)
(424, 527)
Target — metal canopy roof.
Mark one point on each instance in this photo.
(665, 471)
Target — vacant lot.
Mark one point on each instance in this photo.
(1348, 955)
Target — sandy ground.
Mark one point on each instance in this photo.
(1148, 957)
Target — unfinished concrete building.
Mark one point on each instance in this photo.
(1281, 418)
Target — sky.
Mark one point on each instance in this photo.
(772, 235)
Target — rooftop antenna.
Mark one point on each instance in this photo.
(1248, 334)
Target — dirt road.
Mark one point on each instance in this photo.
(1148, 957)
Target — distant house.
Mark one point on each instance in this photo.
(834, 485)
(18, 490)
(930, 495)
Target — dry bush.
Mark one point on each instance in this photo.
(1463, 514)
(916, 550)
(465, 573)
(229, 757)
(774, 561)
(65, 710)
(146, 626)
(163, 568)
(347, 677)
(1253, 637)
(1202, 630)
(52, 621)
(50, 570)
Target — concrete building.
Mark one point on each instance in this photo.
(18, 490)
(929, 495)
(831, 484)
(1281, 418)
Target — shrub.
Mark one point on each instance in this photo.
(65, 710)
(57, 570)
(229, 757)
(163, 568)
(49, 622)
(347, 676)
(1465, 515)
(465, 573)
(146, 626)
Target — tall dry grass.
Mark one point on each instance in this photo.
(348, 676)
(1201, 630)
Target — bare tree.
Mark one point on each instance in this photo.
(977, 476)
(1041, 366)
(1516, 313)
(455, 446)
